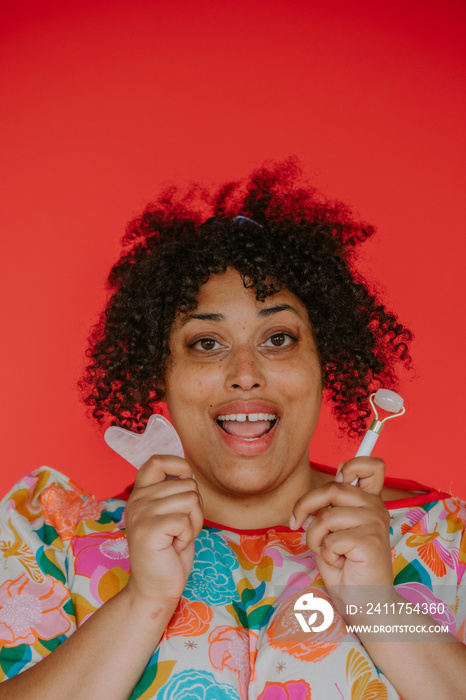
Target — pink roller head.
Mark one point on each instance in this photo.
(388, 400)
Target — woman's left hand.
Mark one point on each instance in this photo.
(351, 538)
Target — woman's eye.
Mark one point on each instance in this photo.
(205, 344)
(278, 340)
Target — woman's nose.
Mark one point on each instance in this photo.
(244, 370)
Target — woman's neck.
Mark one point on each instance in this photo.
(257, 511)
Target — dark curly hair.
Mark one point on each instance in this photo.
(303, 244)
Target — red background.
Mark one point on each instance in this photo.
(105, 100)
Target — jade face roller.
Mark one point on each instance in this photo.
(388, 401)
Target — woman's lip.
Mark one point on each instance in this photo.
(248, 447)
(253, 406)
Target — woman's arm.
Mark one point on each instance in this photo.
(107, 655)
(102, 659)
(424, 664)
(352, 546)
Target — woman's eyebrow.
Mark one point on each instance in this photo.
(203, 317)
(217, 318)
(270, 310)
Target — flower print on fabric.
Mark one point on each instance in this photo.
(210, 580)
(454, 514)
(421, 595)
(104, 558)
(13, 546)
(254, 609)
(190, 619)
(235, 649)
(285, 632)
(26, 500)
(358, 675)
(100, 550)
(264, 551)
(292, 690)
(63, 509)
(30, 611)
(234, 634)
(429, 547)
(197, 685)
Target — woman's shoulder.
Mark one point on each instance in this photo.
(47, 495)
(27, 494)
(397, 493)
(402, 493)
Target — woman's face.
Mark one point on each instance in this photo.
(243, 386)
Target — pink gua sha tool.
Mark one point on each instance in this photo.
(159, 438)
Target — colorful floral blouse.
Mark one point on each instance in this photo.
(234, 635)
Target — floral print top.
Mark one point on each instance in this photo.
(234, 635)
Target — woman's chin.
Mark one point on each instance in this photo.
(245, 477)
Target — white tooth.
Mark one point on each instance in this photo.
(241, 417)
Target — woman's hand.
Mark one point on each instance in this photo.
(350, 539)
(163, 517)
(352, 548)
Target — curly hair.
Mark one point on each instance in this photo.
(297, 241)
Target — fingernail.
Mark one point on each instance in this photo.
(292, 523)
(339, 477)
(339, 467)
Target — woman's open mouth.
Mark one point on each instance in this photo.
(249, 427)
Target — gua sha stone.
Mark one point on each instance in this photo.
(159, 438)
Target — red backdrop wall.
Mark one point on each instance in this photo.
(104, 101)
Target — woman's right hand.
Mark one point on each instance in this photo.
(163, 518)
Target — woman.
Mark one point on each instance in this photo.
(239, 323)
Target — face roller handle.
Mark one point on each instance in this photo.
(388, 401)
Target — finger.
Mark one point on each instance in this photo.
(330, 494)
(187, 503)
(356, 545)
(149, 511)
(369, 471)
(186, 534)
(332, 520)
(329, 520)
(171, 528)
(163, 489)
(158, 467)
